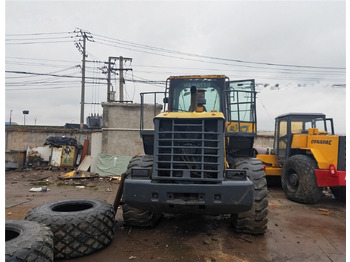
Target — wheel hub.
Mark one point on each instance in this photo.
(293, 180)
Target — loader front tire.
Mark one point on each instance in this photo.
(133, 216)
(253, 221)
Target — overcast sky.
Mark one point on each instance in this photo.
(297, 45)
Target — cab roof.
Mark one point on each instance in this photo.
(197, 76)
(302, 115)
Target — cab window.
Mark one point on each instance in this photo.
(296, 127)
(180, 90)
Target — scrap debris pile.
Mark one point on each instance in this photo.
(56, 152)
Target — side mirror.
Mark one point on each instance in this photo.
(165, 100)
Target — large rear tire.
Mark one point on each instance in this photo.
(28, 241)
(133, 216)
(79, 226)
(253, 221)
(299, 181)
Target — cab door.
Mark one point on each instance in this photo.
(240, 100)
(281, 139)
(240, 117)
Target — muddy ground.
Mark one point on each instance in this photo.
(295, 232)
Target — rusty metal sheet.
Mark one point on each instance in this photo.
(68, 156)
(15, 159)
(56, 156)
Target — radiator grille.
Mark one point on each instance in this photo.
(188, 149)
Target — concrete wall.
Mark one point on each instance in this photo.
(120, 134)
(96, 148)
(121, 128)
(19, 138)
(264, 140)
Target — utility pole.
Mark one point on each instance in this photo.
(82, 48)
(82, 98)
(11, 117)
(121, 70)
(110, 94)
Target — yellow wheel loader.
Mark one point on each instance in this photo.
(308, 156)
(199, 156)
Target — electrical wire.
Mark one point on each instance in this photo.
(322, 73)
(36, 38)
(34, 34)
(169, 51)
(265, 70)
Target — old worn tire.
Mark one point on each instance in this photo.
(79, 226)
(133, 216)
(28, 241)
(253, 221)
(339, 193)
(299, 181)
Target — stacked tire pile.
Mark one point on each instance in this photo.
(63, 229)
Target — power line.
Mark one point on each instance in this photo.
(250, 67)
(59, 85)
(41, 38)
(238, 67)
(137, 80)
(141, 80)
(42, 33)
(169, 51)
(39, 74)
(40, 59)
(36, 38)
(41, 42)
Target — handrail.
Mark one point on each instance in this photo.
(154, 105)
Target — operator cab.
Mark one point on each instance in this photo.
(206, 93)
(290, 124)
(236, 99)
